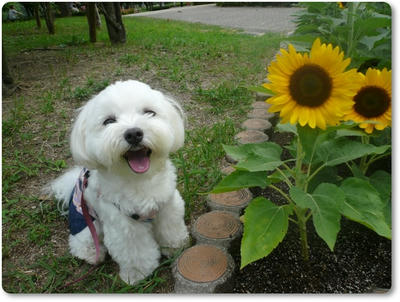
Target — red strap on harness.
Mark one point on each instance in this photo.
(92, 229)
(89, 222)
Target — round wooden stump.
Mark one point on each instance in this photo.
(261, 105)
(202, 269)
(256, 124)
(251, 136)
(218, 228)
(230, 201)
(260, 113)
(227, 170)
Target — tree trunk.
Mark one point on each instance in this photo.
(37, 15)
(115, 27)
(7, 78)
(64, 9)
(91, 17)
(49, 17)
(98, 19)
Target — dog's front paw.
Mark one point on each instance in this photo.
(131, 276)
(171, 251)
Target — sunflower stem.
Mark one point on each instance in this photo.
(301, 213)
(282, 193)
(376, 157)
(286, 179)
(363, 162)
(313, 175)
(299, 163)
(301, 222)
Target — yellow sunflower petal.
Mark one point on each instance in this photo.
(312, 88)
(373, 101)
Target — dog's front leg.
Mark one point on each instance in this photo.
(169, 227)
(131, 245)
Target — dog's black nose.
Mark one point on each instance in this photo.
(133, 136)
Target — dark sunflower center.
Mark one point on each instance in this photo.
(371, 101)
(310, 85)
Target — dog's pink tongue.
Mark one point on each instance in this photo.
(139, 161)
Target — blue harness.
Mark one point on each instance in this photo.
(75, 216)
(76, 219)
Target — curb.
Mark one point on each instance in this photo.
(207, 267)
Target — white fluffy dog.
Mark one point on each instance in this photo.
(124, 136)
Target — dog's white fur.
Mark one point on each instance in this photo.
(114, 191)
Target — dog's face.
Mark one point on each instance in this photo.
(127, 124)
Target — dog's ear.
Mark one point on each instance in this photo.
(178, 121)
(78, 141)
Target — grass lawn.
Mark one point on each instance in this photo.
(205, 68)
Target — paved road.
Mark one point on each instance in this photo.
(252, 20)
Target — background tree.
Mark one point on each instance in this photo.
(98, 18)
(91, 17)
(5, 71)
(65, 8)
(36, 13)
(113, 16)
(49, 16)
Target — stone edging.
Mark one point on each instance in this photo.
(207, 267)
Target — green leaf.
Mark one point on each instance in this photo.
(340, 150)
(364, 205)
(323, 205)
(300, 198)
(256, 157)
(327, 174)
(265, 226)
(369, 26)
(241, 179)
(381, 181)
(310, 140)
(261, 89)
(286, 128)
(351, 132)
(370, 41)
(326, 216)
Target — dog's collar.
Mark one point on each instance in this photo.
(142, 218)
(83, 180)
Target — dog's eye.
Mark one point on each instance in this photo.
(149, 112)
(109, 120)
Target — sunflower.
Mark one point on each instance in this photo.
(314, 89)
(373, 101)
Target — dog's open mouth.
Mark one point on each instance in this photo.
(138, 160)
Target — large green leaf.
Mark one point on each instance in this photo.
(340, 150)
(370, 26)
(286, 128)
(241, 179)
(310, 140)
(256, 157)
(381, 181)
(265, 226)
(364, 205)
(323, 205)
(370, 41)
(328, 175)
